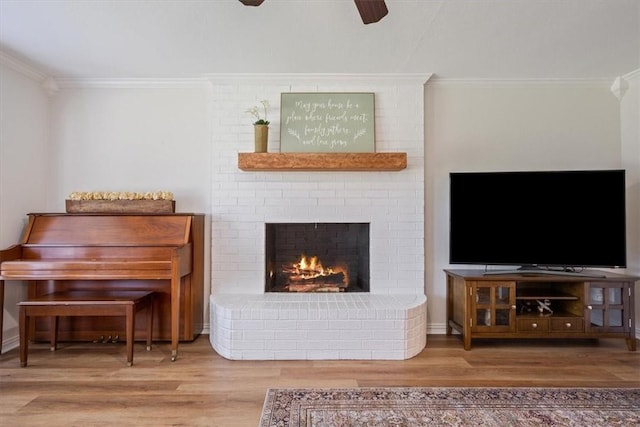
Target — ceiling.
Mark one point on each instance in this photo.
(457, 39)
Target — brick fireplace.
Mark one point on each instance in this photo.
(388, 321)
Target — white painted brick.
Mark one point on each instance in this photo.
(387, 355)
(290, 355)
(287, 314)
(378, 325)
(241, 202)
(253, 355)
(280, 324)
(313, 313)
(390, 335)
(281, 345)
(249, 345)
(324, 335)
(264, 314)
(356, 355)
(387, 345)
(343, 345)
(261, 335)
(312, 345)
(313, 325)
(295, 335)
(323, 355)
(249, 324)
(287, 339)
(345, 324)
(362, 334)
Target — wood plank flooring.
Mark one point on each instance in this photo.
(85, 384)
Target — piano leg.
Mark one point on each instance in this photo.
(24, 325)
(130, 331)
(175, 308)
(149, 323)
(54, 333)
(1, 311)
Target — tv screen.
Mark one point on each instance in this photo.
(565, 219)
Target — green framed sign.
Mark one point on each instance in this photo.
(319, 122)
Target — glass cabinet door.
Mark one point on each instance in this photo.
(493, 306)
(607, 307)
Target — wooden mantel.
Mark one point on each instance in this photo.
(322, 161)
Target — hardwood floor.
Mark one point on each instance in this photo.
(90, 384)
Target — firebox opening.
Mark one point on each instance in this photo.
(317, 257)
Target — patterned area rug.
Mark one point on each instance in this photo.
(394, 407)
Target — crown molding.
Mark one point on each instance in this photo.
(509, 82)
(242, 78)
(621, 84)
(619, 87)
(132, 83)
(288, 79)
(48, 83)
(635, 74)
(22, 67)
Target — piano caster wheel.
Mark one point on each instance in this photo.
(174, 356)
(148, 348)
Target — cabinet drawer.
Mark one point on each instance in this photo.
(533, 324)
(563, 324)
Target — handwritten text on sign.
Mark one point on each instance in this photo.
(327, 122)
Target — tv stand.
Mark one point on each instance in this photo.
(540, 304)
(533, 270)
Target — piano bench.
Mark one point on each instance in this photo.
(86, 303)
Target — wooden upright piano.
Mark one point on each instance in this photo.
(154, 252)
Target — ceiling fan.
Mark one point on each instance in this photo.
(370, 10)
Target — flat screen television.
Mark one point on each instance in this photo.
(558, 221)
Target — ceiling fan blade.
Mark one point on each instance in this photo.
(251, 2)
(371, 10)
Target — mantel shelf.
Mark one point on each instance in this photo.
(351, 162)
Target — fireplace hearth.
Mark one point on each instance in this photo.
(317, 257)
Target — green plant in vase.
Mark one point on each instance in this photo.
(260, 126)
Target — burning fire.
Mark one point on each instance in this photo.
(311, 268)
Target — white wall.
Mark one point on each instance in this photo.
(630, 145)
(483, 126)
(132, 139)
(24, 167)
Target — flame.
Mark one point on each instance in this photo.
(309, 268)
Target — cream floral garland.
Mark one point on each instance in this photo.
(120, 195)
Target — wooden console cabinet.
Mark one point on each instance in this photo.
(540, 306)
